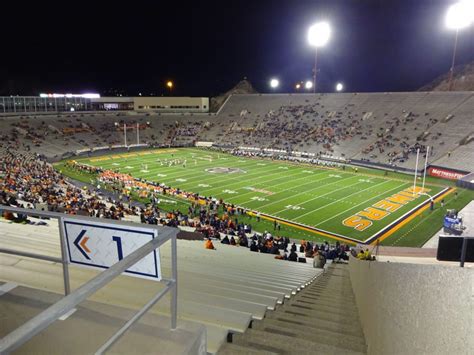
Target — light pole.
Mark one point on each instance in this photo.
(318, 36)
(459, 16)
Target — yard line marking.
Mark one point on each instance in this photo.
(283, 190)
(373, 198)
(357, 192)
(180, 171)
(265, 182)
(258, 175)
(318, 187)
(230, 180)
(152, 159)
(328, 193)
(197, 175)
(247, 176)
(301, 193)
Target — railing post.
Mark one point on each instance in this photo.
(463, 251)
(64, 257)
(174, 289)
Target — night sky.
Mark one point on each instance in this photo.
(206, 47)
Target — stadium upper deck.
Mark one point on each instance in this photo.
(379, 127)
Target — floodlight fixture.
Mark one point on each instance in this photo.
(339, 87)
(274, 83)
(460, 15)
(308, 85)
(318, 34)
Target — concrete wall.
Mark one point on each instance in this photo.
(414, 308)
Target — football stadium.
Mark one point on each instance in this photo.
(286, 215)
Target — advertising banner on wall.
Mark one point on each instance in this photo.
(444, 173)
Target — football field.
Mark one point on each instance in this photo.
(356, 205)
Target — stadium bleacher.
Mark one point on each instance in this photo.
(224, 289)
(374, 126)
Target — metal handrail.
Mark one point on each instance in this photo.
(25, 332)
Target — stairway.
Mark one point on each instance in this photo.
(322, 318)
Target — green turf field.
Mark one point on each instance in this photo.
(312, 196)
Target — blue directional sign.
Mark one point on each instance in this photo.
(101, 244)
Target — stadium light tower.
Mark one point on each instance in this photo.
(459, 16)
(339, 87)
(274, 83)
(318, 36)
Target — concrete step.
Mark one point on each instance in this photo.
(311, 335)
(321, 291)
(235, 349)
(327, 335)
(305, 306)
(326, 299)
(341, 328)
(332, 282)
(287, 344)
(329, 316)
(347, 307)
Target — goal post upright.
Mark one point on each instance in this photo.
(416, 170)
(424, 170)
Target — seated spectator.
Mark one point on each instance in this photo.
(364, 255)
(208, 244)
(309, 251)
(244, 241)
(293, 256)
(319, 260)
(302, 246)
(282, 257)
(293, 247)
(274, 250)
(232, 241)
(225, 240)
(254, 247)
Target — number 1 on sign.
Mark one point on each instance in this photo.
(118, 240)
